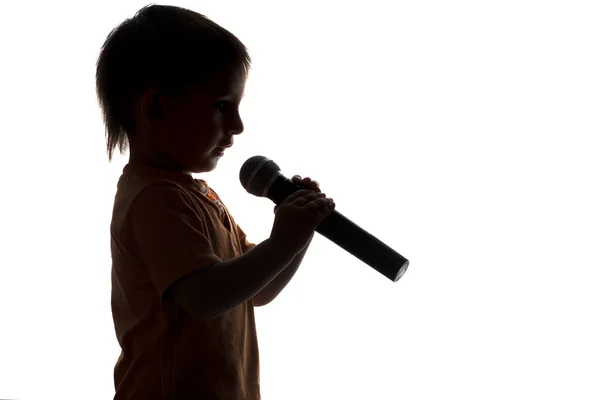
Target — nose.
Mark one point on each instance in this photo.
(237, 125)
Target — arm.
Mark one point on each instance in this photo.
(214, 290)
(272, 290)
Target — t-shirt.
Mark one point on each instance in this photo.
(166, 225)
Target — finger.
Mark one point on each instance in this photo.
(319, 203)
(310, 184)
(328, 208)
(306, 183)
(322, 205)
(303, 182)
(297, 194)
(310, 196)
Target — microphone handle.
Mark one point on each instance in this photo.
(349, 236)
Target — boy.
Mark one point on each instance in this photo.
(185, 280)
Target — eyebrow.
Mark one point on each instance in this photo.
(226, 93)
(222, 89)
(219, 92)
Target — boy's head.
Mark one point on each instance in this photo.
(169, 82)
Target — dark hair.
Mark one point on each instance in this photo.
(164, 47)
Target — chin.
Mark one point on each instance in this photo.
(205, 166)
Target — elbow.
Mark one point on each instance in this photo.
(260, 301)
(187, 294)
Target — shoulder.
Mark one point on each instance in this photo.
(150, 197)
(162, 192)
(168, 201)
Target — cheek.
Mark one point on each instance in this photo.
(198, 128)
(216, 121)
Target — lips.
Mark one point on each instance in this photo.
(223, 147)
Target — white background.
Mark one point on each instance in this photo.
(463, 134)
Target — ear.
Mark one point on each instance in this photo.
(151, 106)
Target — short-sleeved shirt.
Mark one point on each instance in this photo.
(166, 225)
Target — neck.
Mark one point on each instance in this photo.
(159, 160)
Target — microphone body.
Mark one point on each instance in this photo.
(346, 234)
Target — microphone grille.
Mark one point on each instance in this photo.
(256, 173)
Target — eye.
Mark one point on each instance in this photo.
(222, 105)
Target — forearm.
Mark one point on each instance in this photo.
(221, 287)
(275, 287)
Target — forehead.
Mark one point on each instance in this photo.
(226, 82)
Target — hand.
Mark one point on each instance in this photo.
(297, 217)
(305, 183)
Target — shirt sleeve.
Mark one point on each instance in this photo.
(246, 245)
(169, 234)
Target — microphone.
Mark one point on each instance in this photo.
(261, 177)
